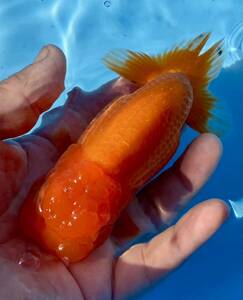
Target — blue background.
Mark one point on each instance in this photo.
(86, 30)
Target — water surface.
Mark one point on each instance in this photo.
(85, 30)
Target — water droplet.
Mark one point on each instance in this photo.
(75, 203)
(65, 260)
(52, 200)
(107, 3)
(79, 177)
(60, 247)
(52, 216)
(75, 181)
(39, 208)
(74, 215)
(29, 260)
(63, 222)
(69, 223)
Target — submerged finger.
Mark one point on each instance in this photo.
(163, 198)
(146, 263)
(25, 95)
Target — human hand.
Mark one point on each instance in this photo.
(27, 272)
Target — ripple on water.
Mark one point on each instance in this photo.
(234, 44)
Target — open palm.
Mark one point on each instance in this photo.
(28, 273)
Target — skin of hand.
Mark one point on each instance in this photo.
(28, 273)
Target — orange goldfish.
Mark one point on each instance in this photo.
(76, 208)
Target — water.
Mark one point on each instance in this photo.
(86, 30)
(29, 260)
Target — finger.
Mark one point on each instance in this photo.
(160, 201)
(146, 263)
(25, 95)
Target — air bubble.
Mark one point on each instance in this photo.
(66, 260)
(60, 247)
(107, 3)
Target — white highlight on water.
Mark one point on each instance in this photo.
(66, 30)
(234, 45)
(237, 207)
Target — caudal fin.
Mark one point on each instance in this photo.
(200, 68)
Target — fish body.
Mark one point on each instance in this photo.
(76, 208)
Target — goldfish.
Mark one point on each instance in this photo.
(73, 210)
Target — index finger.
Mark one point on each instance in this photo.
(175, 187)
(26, 94)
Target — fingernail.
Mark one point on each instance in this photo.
(42, 54)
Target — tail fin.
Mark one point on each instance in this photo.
(201, 69)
